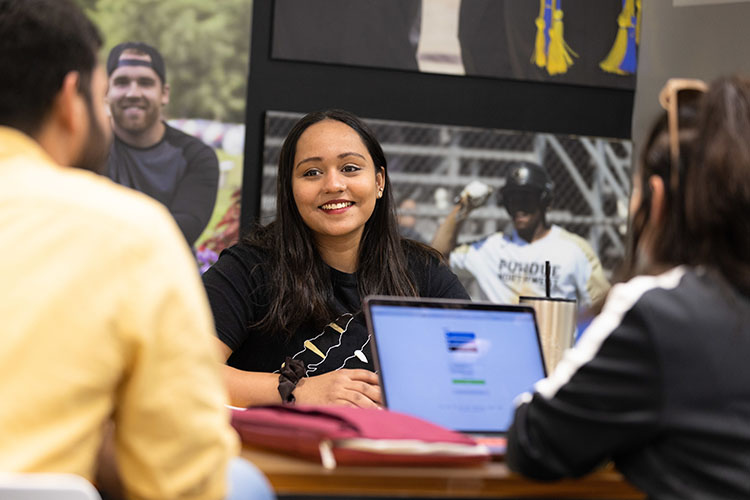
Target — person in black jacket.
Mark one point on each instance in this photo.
(659, 381)
(286, 299)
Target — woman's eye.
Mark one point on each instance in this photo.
(350, 168)
(311, 173)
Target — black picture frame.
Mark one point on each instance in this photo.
(412, 96)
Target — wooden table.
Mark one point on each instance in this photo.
(293, 477)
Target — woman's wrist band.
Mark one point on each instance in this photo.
(290, 374)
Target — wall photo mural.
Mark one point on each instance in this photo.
(582, 42)
(205, 49)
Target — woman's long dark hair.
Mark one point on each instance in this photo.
(299, 287)
(708, 217)
(717, 195)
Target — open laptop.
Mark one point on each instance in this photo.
(456, 363)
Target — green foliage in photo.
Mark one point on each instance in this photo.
(205, 46)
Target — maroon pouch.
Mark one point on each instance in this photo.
(355, 436)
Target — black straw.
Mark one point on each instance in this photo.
(546, 277)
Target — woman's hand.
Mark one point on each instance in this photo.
(341, 387)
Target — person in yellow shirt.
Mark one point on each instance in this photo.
(103, 319)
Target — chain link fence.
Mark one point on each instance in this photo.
(431, 164)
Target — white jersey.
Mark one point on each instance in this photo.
(508, 267)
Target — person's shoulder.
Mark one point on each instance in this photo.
(624, 296)
(576, 241)
(639, 301)
(253, 255)
(250, 252)
(498, 238)
(190, 144)
(172, 133)
(105, 206)
(562, 233)
(695, 287)
(681, 299)
(432, 274)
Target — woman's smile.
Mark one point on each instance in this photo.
(336, 206)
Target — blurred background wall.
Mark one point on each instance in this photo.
(687, 38)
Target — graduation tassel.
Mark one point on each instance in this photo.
(622, 58)
(550, 49)
(539, 57)
(559, 54)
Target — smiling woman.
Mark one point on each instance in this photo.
(335, 184)
(287, 299)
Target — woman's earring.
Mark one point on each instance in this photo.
(380, 193)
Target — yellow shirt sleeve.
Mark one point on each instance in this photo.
(172, 430)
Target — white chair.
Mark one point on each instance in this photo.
(46, 487)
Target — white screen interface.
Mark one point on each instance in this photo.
(460, 368)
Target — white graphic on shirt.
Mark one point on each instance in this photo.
(357, 354)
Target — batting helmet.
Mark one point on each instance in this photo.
(526, 177)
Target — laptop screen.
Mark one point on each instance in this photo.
(459, 364)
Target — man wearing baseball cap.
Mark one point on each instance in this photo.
(510, 264)
(147, 154)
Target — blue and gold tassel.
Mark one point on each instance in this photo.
(622, 58)
(550, 49)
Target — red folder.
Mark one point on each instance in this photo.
(355, 436)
